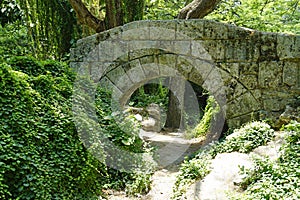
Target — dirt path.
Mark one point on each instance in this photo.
(172, 148)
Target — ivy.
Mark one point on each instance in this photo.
(41, 154)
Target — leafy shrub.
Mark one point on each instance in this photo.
(277, 179)
(247, 138)
(41, 155)
(123, 131)
(13, 41)
(150, 93)
(10, 12)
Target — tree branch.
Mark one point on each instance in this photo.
(198, 9)
(86, 17)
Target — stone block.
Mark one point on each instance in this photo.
(196, 77)
(138, 30)
(291, 74)
(270, 74)
(268, 50)
(189, 29)
(148, 59)
(183, 47)
(92, 56)
(162, 30)
(274, 104)
(199, 52)
(169, 60)
(248, 68)
(249, 81)
(215, 30)
(203, 67)
(97, 70)
(242, 105)
(134, 71)
(288, 47)
(81, 68)
(239, 33)
(236, 50)
(124, 83)
(234, 89)
(213, 82)
(184, 66)
(112, 50)
(141, 53)
(231, 68)
(115, 74)
(135, 45)
(216, 48)
(165, 45)
(167, 71)
(151, 70)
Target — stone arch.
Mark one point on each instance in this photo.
(260, 71)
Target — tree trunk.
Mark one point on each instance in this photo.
(175, 118)
(114, 13)
(85, 17)
(198, 9)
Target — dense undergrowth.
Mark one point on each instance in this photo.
(41, 154)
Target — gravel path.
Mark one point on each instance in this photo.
(172, 148)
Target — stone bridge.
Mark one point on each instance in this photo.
(252, 74)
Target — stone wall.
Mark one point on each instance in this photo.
(252, 74)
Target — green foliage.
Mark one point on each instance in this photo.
(273, 16)
(292, 126)
(211, 109)
(13, 41)
(162, 10)
(194, 169)
(121, 129)
(277, 179)
(247, 138)
(51, 26)
(150, 93)
(139, 184)
(41, 154)
(9, 12)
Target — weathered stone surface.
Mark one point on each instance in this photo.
(288, 47)
(289, 114)
(268, 49)
(270, 74)
(291, 73)
(189, 29)
(215, 31)
(258, 73)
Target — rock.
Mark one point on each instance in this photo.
(223, 177)
(138, 117)
(149, 125)
(290, 113)
(153, 123)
